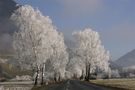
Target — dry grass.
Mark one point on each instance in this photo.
(127, 84)
(11, 71)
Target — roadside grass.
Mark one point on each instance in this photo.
(125, 84)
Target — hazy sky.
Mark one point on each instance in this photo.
(113, 19)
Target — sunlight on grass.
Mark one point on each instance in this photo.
(128, 84)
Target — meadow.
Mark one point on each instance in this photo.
(124, 84)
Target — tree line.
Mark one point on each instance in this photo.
(40, 47)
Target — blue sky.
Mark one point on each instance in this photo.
(113, 19)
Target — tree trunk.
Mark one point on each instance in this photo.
(42, 71)
(55, 79)
(82, 76)
(36, 78)
(42, 76)
(87, 77)
(88, 73)
(59, 78)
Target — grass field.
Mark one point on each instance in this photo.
(126, 84)
(10, 71)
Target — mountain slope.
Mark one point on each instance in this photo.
(127, 60)
(7, 7)
(114, 66)
(7, 27)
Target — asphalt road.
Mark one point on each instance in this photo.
(75, 85)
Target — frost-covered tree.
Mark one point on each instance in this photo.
(115, 74)
(59, 58)
(90, 50)
(76, 67)
(38, 41)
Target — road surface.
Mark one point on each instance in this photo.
(74, 85)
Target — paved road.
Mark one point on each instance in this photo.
(75, 85)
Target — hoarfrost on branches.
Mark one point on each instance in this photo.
(92, 53)
(40, 46)
(37, 41)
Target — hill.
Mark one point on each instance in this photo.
(128, 60)
(7, 28)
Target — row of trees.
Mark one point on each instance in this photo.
(39, 46)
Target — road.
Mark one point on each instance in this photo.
(74, 85)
